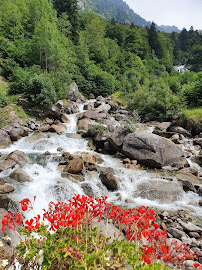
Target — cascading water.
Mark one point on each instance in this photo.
(48, 184)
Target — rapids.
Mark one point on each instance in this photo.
(48, 185)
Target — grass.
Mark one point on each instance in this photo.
(193, 118)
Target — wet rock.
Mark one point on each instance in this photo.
(74, 92)
(58, 128)
(76, 178)
(87, 189)
(190, 227)
(74, 166)
(20, 176)
(151, 150)
(7, 164)
(6, 189)
(188, 177)
(35, 137)
(53, 112)
(89, 106)
(4, 139)
(44, 128)
(19, 157)
(194, 235)
(103, 107)
(161, 191)
(180, 163)
(126, 161)
(108, 179)
(189, 170)
(187, 186)
(6, 202)
(89, 158)
(64, 118)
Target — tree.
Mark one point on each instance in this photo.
(154, 42)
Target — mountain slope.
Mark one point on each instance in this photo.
(121, 12)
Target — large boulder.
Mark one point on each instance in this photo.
(151, 150)
(58, 128)
(91, 114)
(53, 112)
(17, 133)
(19, 157)
(116, 139)
(108, 179)
(20, 175)
(4, 139)
(74, 91)
(160, 191)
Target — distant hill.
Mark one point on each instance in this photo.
(121, 12)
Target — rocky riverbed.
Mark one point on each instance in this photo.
(97, 147)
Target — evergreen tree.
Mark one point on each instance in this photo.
(154, 41)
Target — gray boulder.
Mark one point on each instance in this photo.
(163, 192)
(7, 164)
(6, 189)
(151, 150)
(20, 176)
(17, 133)
(116, 139)
(108, 179)
(4, 139)
(74, 91)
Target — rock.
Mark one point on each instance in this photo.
(58, 128)
(44, 128)
(64, 118)
(189, 177)
(6, 202)
(87, 189)
(89, 106)
(74, 166)
(161, 191)
(126, 161)
(103, 108)
(151, 150)
(197, 160)
(35, 137)
(19, 157)
(190, 227)
(74, 91)
(198, 141)
(163, 126)
(189, 170)
(113, 233)
(182, 131)
(17, 133)
(194, 235)
(89, 158)
(175, 138)
(2, 181)
(15, 239)
(4, 139)
(7, 164)
(6, 189)
(53, 112)
(187, 186)
(60, 104)
(84, 123)
(20, 176)
(76, 178)
(116, 139)
(91, 115)
(107, 178)
(176, 233)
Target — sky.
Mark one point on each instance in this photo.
(181, 13)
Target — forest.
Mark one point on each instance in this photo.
(45, 45)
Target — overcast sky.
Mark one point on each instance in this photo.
(181, 13)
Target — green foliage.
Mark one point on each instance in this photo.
(192, 92)
(3, 99)
(40, 90)
(96, 128)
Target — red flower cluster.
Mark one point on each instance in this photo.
(140, 223)
(12, 220)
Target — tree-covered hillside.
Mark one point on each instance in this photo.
(121, 12)
(44, 46)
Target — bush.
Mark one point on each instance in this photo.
(96, 128)
(40, 90)
(3, 100)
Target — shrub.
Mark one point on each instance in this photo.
(96, 128)
(3, 100)
(40, 90)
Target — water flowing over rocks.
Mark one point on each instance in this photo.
(53, 162)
